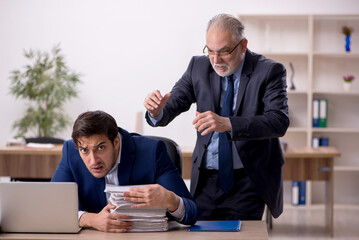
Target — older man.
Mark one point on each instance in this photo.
(241, 111)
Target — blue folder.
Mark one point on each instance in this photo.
(216, 226)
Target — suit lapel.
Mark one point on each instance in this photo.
(242, 87)
(100, 187)
(248, 66)
(215, 82)
(127, 158)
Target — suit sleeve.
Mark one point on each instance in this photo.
(63, 172)
(265, 111)
(182, 97)
(168, 177)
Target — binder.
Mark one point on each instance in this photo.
(295, 193)
(324, 141)
(302, 192)
(320, 142)
(216, 226)
(315, 113)
(323, 112)
(315, 142)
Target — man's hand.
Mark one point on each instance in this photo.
(105, 221)
(155, 102)
(153, 195)
(210, 122)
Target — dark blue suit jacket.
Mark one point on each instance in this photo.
(143, 161)
(260, 117)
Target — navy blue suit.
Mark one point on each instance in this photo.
(143, 161)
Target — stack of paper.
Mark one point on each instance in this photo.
(147, 219)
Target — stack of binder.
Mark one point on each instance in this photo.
(320, 112)
(147, 219)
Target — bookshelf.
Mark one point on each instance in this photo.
(315, 46)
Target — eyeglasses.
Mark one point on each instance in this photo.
(209, 52)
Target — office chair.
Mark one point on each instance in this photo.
(173, 150)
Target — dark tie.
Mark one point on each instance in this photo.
(225, 146)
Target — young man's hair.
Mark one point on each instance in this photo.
(92, 123)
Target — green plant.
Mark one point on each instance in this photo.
(47, 83)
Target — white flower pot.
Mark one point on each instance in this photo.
(347, 86)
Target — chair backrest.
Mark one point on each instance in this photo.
(173, 150)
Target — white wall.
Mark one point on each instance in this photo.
(124, 49)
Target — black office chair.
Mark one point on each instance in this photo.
(173, 150)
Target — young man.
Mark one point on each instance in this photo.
(242, 109)
(100, 153)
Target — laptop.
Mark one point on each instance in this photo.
(48, 207)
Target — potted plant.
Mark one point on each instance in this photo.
(47, 83)
(347, 84)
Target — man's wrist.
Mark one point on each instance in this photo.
(180, 212)
(155, 120)
(85, 219)
(174, 202)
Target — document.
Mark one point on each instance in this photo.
(146, 219)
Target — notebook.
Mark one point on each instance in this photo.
(50, 207)
(216, 226)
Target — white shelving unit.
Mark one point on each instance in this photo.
(315, 46)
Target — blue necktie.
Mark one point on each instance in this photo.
(225, 146)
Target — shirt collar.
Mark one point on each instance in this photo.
(115, 167)
(238, 72)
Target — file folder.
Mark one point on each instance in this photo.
(323, 112)
(324, 141)
(302, 192)
(315, 142)
(315, 112)
(295, 193)
(216, 226)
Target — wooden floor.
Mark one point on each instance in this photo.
(308, 224)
